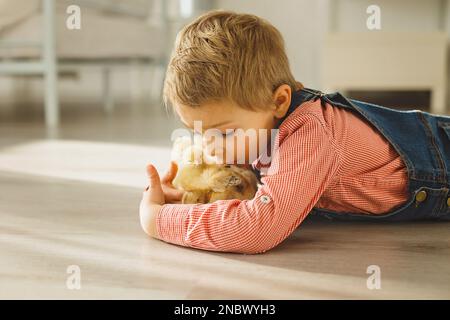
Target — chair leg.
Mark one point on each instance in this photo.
(108, 100)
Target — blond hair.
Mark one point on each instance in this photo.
(223, 55)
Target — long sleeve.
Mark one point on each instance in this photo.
(302, 167)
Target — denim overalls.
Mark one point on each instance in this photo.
(421, 139)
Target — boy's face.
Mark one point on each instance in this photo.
(226, 118)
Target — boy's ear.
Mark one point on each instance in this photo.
(282, 100)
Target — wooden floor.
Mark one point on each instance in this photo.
(72, 202)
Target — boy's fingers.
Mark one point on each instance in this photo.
(170, 174)
(156, 192)
(172, 194)
(152, 174)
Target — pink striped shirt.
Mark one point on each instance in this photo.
(328, 157)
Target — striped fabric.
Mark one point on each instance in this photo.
(328, 158)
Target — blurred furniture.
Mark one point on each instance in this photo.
(387, 61)
(41, 43)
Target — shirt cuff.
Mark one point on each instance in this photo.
(171, 223)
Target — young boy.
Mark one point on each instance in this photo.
(336, 157)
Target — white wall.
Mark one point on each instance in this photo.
(396, 15)
(302, 23)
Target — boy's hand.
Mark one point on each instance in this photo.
(157, 194)
(171, 194)
(152, 200)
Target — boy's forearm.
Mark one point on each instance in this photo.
(226, 226)
(148, 217)
(171, 223)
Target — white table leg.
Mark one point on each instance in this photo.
(50, 66)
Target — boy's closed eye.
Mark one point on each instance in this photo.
(228, 133)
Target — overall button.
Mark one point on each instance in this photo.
(448, 202)
(265, 199)
(421, 196)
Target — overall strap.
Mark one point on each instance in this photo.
(300, 96)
